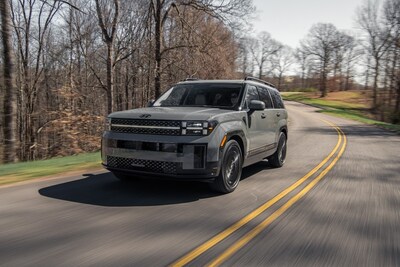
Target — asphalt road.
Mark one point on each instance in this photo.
(350, 216)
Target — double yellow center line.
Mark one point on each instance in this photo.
(341, 143)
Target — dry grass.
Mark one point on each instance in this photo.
(354, 105)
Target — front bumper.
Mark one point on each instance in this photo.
(207, 174)
(185, 158)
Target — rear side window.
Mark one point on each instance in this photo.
(276, 99)
(265, 97)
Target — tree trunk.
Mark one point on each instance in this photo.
(126, 87)
(324, 79)
(157, 79)
(280, 81)
(110, 84)
(323, 84)
(375, 86)
(108, 38)
(397, 107)
(303, 75)
(392, 89)
(10, 97)
(367, 74)
(260, 71)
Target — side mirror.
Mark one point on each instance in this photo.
(150, 103)
(256, 105)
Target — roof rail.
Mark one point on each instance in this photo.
(191, 79)
(249, 78)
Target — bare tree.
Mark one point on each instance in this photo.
(320, 44)
(244, 60)
(302, 60)
(376, 40)
(10, 102)
(160, 10)
(192, 51)
(281, 63)
(32, 26)
(351, 56)
(108, 21)
(344, 55)
(391, 20)
(264, 48)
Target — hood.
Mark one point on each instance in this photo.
(170, 113)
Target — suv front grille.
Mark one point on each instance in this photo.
(143, 165)
(157, 127)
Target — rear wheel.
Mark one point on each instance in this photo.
(231, 168)
(278, 158)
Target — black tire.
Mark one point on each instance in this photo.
(278, 158)
(231, 168)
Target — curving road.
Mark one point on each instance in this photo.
(345, 213)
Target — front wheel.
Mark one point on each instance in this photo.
(278, 158)
(231, 168)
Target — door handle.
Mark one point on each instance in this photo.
(278, 114)
(263, 116)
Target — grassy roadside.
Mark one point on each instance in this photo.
(348, 105)
(18, 172)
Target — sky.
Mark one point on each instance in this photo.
(289, 21)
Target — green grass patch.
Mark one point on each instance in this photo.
(17, 172)
(333, 104)
(357, 117)
(319, 102)
(309, 89)
(341, 108)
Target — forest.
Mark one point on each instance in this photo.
(66, 64)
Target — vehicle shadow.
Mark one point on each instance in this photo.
(105, 190)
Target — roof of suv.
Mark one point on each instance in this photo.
(246, 80)
(212, 81)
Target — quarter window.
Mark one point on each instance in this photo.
(276, 99)
(265, 97)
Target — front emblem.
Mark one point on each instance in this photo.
(145, 116)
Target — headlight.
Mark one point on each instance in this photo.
(198, 127)
(107, 124)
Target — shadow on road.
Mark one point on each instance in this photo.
(354, 130)
(105, 190)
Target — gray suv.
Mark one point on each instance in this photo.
(199, 130)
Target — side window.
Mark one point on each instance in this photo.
(251, 94)
(265, 97)
(276, 99)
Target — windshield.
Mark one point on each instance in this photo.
(202, 95)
